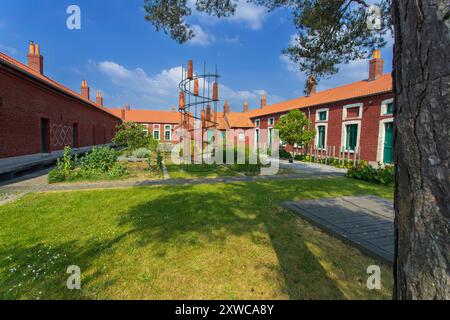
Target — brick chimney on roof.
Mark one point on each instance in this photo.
(263, 101)
(226, 108)
(246, 106)
(311, 86)
(99, 99)
(85, 90)
(35, 59)
(376, 66)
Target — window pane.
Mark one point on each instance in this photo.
(321, 137)
(390, 108)
(156, 135)
(167, 137)
(352, 136)
(323, 116)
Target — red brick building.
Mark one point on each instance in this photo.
(357, 117)
(39, 116)
(159, 124)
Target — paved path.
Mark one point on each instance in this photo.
(37, 181)
(27, 187)
(365, 222)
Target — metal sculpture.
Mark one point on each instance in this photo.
(198, 94)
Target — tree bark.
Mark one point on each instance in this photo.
(422, 148)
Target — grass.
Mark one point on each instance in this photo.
(221, 241)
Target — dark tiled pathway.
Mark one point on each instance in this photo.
(366, 222)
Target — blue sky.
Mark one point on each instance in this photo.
(122, 55)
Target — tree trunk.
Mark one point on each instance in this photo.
(422, 148)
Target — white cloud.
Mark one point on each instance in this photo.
(160, 91)
(139, 89)
(250, 14)
(201, 37)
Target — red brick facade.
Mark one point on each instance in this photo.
(26, 100)
(370, 121)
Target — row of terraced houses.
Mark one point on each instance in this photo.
(39, 116)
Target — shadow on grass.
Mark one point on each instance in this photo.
(187, 217)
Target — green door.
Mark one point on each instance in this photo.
(44, 136)
(388, 152)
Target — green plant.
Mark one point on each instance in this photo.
(99, 159)
(285, 155)
(141, 153)
(363, 171)
(132, 136)
(56, 176)
(295, 128)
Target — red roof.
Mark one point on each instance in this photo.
(149, 116)
(30, 72)
(350, 91)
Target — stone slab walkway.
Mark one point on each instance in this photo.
(366, 222)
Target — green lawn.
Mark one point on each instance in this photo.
(221, 241)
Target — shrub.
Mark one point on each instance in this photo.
(285, 155)
(131, 136)
(383, 175)
(141, 153)
(99, 159)
(56, 176)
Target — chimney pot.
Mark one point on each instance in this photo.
(35, 59)
(99, 99)
(263, 101)
(226, 108)
(311, 86)
(246, 106)
(376, 66)
(85, 90)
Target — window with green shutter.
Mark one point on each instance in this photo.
(321, 137)
(352, 137)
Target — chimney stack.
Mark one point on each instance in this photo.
(376, 66)
(226, 108)
(85, 91)
(263, 101)
(246, 106)
(35, 60)
(99, 99)
(311, 86)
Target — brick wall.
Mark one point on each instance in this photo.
(370, 123)
(26, 101)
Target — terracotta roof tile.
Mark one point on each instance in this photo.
(149, 116)
(24, 68)
(345, 92)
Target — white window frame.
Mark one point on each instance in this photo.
(384, 104)
(316, 142)
(327, 110)
(351, 106)
(257, 123)
(257, 134)
(268, 121)
(241, 136)
(381, 138)
(156, 128)
(344, 135)
(168, 130)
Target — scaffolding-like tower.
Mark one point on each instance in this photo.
(199, 98)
